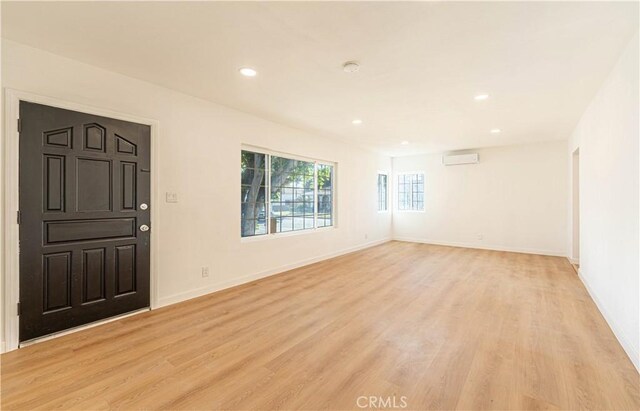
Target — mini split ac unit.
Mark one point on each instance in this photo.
(458, 159)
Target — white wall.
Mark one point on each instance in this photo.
(515, 199)
(199, 157)
(607, 136)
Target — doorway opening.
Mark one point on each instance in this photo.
(84, 195)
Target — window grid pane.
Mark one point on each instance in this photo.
(291, 194)
(411, 192)
(382, 192)
(325, 195)
(253, 194)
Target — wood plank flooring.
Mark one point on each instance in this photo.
(443, 327)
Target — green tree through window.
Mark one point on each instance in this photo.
(252, 194)
(292, 186)
(325, 195)
(292, 194)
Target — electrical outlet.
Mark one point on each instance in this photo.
(366, 236)
(480, 237)
(205, 272)
(171, 197)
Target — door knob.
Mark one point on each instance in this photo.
(144, 227)
(143, 206)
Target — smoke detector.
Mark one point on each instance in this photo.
(350, 67)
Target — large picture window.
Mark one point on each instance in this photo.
(300, 194)
(411, 192)
(383, 192)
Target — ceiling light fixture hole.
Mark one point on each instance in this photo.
(351, 67)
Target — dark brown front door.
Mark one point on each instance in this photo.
(83, 182)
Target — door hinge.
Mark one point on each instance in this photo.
(19, 125)
(18, 308)
(19, 217)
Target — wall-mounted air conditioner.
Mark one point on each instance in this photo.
(458, 159)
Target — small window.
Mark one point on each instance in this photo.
(411, 192)
(383, 192)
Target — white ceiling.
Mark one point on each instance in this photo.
(421, 63)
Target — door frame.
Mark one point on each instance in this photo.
(10, 169)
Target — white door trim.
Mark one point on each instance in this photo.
(12, 229)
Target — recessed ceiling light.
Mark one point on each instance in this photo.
(405, 143)
(481, 97)
(495, 130)
(248, 72)
(350, 67)
(357, 121)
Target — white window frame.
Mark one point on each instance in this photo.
(334, 220)
(397, 187)
(388, 202)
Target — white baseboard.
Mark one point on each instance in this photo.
(483, 247)
(625, 342)
(198, 292)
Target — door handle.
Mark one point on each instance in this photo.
(144, 227)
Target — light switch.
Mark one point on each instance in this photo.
(171, 197)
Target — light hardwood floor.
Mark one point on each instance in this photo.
(447, 328)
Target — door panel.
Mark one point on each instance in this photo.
(93, 268)
(93, 184)
(128, 186)
(85, 230)
(125, 269)
(83, 257)
(54, 183)
(57, 282)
